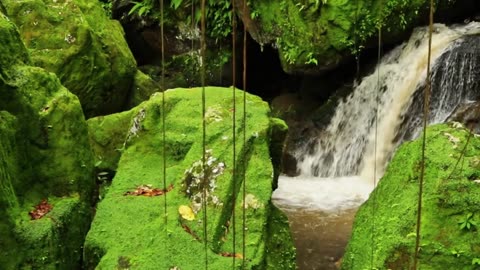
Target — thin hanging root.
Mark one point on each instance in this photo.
(374, 198)
(164, 164)
(204, 124)
(426, 104)
(164, 159)
(244, 216)
(234, 137)
(462, 154)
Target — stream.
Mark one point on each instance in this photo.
(338, 170)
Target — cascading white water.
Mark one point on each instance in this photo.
(346, 148)
(344, 158)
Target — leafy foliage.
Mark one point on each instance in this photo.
(219, 14)
(467, 223)
(175, 4)
(142, 8)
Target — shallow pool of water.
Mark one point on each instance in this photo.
(320, 212)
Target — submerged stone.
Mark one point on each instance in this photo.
(134, 231)
(384, 231)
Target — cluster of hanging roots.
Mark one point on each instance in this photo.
(244, 83)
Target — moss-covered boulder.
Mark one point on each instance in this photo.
(133, 232)
(44, 155)
(384, 230)
(317, 35)
(79, 43)
(143, 87)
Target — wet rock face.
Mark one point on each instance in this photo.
(81, 45)
(469, 115)
(455, 89)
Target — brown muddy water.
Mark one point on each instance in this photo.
(321, 213)
(320, 237)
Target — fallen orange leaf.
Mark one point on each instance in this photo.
(228, 254)
(41, 210)
(147, 190)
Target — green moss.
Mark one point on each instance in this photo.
(132, 229)
(8, 199)
(278, 257)
(447, 202)
(12, 51)
(107, 136)
(312, 37)
(54, 241)
(83, 47)
(44, 154)
(8, 166)
(51, 131)
(143, 87)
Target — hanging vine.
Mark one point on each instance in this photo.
(426, 105)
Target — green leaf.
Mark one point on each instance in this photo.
(143, 10)
(135, 7)
(412, 234)
(175, 4)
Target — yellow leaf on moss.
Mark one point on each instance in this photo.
(186, 212)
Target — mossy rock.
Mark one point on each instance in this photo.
(384, 230)
(79, 43)
(54, 241)
(132, 232)
(143, 87)
(44, 154)
(313, 36)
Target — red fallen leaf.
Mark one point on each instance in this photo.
(228, 254)
(147, 190)
(41, 210)
(188, 230)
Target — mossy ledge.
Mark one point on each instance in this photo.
(313, 36)
(451, 199)
(132, 232)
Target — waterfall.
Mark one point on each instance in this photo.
(346, 146)
(337, 167)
